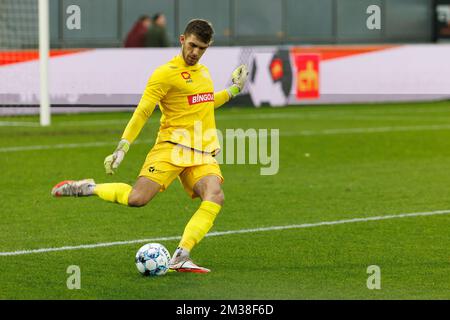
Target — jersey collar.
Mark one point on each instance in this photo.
(178, 60)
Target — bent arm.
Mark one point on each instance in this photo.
(220, 98)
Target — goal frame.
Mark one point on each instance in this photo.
(44, 49)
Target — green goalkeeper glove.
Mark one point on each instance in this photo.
(113, 161)
(238, 77)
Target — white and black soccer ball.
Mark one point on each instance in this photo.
(152, 259)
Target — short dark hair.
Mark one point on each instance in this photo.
(144, 17)
(202, 29)
(156, 16)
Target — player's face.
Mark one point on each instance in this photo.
(192, 48)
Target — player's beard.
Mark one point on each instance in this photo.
(189, 61)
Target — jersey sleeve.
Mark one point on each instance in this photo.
(157, 87)
(220, 98)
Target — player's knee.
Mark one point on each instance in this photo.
(137, 200)
(217, 196)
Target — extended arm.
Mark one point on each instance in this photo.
(140, 116)
(156, 89)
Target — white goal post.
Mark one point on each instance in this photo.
(24, 61)
(44, 48)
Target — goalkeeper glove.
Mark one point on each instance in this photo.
(238, 77)
(113, 160)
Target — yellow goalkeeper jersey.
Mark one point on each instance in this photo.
(186, 97)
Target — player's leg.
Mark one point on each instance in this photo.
(137, 196)
(211, 194)
(208, 188)
(156, 175)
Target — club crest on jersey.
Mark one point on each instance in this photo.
(186, 76)
(201, 97)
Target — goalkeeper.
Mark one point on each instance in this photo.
(184, 91)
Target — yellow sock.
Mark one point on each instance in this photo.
(199, 225)
(114, 192)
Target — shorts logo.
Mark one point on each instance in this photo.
(152, 169)
(201, 97)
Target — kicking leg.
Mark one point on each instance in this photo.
(143, 191)
(137, 196)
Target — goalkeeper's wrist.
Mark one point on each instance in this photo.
(123, 145)
(233, 91)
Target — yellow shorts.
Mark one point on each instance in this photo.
(166, 161)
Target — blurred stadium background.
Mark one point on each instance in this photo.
(252, 22)
(364, 132)
(264, 34)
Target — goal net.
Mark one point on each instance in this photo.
(23, 74)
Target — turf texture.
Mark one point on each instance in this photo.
(335, 163)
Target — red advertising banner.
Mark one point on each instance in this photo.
(308, 81)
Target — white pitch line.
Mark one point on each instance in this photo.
(301, 114)
(287, 134)
(230, 232)
(67, 146)
(367, 130)
(18, 124)
(268, 116)
(55, 146)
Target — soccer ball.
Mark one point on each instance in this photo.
(152, 259)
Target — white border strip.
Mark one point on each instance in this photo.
(223, 233)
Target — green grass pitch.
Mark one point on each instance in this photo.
(336, 163)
